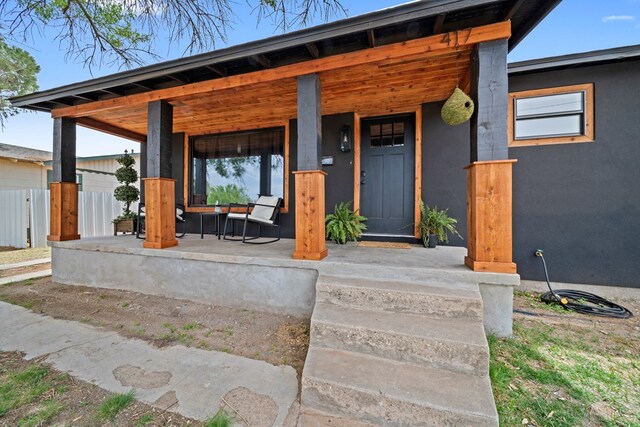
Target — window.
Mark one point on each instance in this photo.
(387, 134)
(551, 116)
(237, 167)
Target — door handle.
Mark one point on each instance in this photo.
(363, 175)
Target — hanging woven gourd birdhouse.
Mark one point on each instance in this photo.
(458, 108)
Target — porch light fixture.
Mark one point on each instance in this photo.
(345, 139)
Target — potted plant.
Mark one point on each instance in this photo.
(126, 193)
(344, 225)
(435, 225)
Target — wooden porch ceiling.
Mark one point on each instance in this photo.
(389, 79)
(372, 89)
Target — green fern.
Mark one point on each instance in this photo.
(344, 225)
(438, 222)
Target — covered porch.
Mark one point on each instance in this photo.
(310, 89)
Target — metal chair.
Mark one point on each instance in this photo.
(180, 221)
(264, 213)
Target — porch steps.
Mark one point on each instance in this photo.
(391, 353)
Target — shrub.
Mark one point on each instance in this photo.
(344, 225)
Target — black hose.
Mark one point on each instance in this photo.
(581, 302)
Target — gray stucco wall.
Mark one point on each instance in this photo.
(445, 153)
(581, 202)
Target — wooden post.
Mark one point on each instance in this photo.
(489, 215)
(310, 179)
(310, 213)
(63, 224)
(489, 176)
(159, 187)
(160, 228)
(63, 219)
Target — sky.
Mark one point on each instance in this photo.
(574, 26)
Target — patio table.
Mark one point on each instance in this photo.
(216, 216)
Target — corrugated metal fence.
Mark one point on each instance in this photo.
(95, 213)
(14, 220)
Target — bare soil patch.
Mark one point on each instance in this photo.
(41, 395)
(273, 338)
(10, 255)
(25, 270)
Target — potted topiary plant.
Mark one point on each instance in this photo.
(435, 225)
(344, 225)
(126, 193)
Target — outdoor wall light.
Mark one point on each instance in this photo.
(345, 139)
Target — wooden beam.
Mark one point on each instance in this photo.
(218, 69)
(113, 92)
(371, 38)
(512, 8)
(110, 129)
(435, 45)
(313, 50)
(85, 97)
(180, 78)
(489, 90)
(437, 26)
(143, 85)
(262, 60)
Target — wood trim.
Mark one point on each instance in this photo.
(287, 163)
(286, 172)
(110, 129)
(418, 173)
(357, 136)
(589, 135)
(436, 44)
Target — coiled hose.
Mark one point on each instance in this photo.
(579, 301)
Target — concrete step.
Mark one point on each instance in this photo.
(447, 343)
(313, 418)
(382, 392)
(401, 297)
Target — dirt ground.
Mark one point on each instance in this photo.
(76, 402)
(277, 339)
(24, 270)
(10, 255)
(555, 315)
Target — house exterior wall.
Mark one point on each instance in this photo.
(22, 175)
(580, 203)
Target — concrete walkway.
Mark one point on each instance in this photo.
(189, 381)
(25, 276)
(25, 263)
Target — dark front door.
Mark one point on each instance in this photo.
(387, 174)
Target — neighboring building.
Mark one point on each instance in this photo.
(24, 168)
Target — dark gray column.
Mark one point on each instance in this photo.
(159, 139)
(489, 90)
(143, 168)
(64, 150)
(200, 173)
(265, 174)
(309, 123)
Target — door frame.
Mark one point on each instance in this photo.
(357, 136)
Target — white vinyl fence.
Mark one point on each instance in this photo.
(95, 213)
